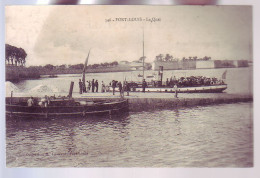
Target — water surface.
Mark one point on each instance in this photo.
(208, 136)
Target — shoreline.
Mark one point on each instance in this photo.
(24, 73)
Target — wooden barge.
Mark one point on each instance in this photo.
(65, 107)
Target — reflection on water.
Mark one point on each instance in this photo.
(212, 136)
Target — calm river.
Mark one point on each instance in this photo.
(204, 136)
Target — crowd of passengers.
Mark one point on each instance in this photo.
(193, 81)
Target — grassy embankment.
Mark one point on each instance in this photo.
(118, 68)
(16, 73)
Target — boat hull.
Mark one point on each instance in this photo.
(201, 89)
(115, 107)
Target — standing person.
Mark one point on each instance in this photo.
(89, 85)
(96, 85)
(124, 88)
(30, 102)
(144, 85)
(127, 88)
(114, 86)
(174, 80)
(171, 82)
(44, 101)
(120, 88)
(103, 87)
(176, 90)
(93, 86)
(167, 82)
(84, 87)
(80, 86)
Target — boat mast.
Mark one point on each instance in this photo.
(84, 70)
(143, 53)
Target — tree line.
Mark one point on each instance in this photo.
(15, 56)
(169, 57)
(77, 66)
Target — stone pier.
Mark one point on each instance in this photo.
(156, 101)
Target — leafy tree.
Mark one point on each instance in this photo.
(63, 66)
(49, 67)
(168, 57)
(21, 55)
(77, 66)
(206, 58)
(15, 55)
(95, 66)
(115, 63)
(184, 59)
(159, 57)
(141, 59)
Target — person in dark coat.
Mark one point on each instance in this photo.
(113, 86)
(93, 85)
(167, 82)
(176, 90)
(80, 86)
(127, 88)
(89, 86)
(120, 87)
(84, 89)
(144, 85)
(96, 85)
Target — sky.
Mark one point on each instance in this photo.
(65, 34)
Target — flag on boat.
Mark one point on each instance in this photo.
(224, 75)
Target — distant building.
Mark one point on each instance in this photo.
(138, 65)
(135, 65)
(123, 62)
(209, 64)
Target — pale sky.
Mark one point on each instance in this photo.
(64, 34)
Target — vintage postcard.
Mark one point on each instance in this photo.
(129, 86)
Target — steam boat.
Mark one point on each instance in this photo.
(137, 87)
(212, 86)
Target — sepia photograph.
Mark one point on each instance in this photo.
(129, 86)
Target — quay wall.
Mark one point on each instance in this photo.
(174, 65)
(187, 65)
(205, 65)
(152, 104)
(211, 64)
(224, 64)
(242, 63)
